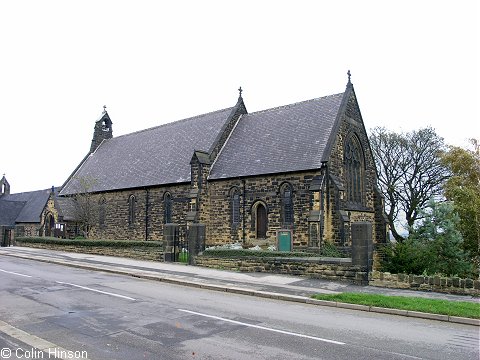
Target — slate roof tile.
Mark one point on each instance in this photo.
(283, 139)
(9, 211)
(33, 204)
(159, 155)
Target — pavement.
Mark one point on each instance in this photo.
(266, 285)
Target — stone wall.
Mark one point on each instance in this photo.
(135, 252)
(149, 217)
(451, 285)
(27, 229)
(337, 269)
(264, 189)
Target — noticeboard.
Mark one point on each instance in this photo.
(284, 240)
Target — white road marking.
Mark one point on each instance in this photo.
(263, 327)
(49, 349)
(95, 290)
(14, 273)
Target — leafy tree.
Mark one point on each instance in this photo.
(463, 189)
(86, 207)
(409, 172)
(441, 241)
(434, 246)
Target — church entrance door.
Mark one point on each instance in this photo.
(261, 222)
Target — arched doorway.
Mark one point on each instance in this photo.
(261, 221)
(49, 225)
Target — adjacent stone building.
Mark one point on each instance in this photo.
(25, 214)
(305, 168)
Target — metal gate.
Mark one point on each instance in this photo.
(180, 245)
(6, 237)
(176, 243)
(182, 242)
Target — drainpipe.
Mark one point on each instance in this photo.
(147, 198)
(322, 199)
(243, 215)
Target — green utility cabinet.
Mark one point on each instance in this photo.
(284, 240)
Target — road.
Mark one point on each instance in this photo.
(96, 315)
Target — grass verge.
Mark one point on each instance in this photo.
(434, 306)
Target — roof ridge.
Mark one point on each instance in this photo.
(28, 192)
(294, 104)
(14, 201)
(173, 122)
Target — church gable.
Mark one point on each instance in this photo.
(350, 159)
(351, 175)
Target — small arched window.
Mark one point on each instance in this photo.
(131, 210)
(167, 208)
(102, 212)
(354, 170)
(286, 194)
(235, 206)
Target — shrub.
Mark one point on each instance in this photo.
(86, 243)
(239, 253)
(330, 250)
(434, 246)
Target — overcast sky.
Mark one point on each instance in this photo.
(413, 63)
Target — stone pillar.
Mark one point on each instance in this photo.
(362, 246)
(196, 241)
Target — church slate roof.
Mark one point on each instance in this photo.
(284, 139)
(9, 211)
(27, 207)
(155, 156)
(67, 208)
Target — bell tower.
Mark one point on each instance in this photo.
(4, 186)
(102, 130)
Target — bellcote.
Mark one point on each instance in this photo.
(102, 130)
(4, 186)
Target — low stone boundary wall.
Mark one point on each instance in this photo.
(338, 269)
(451, 285)
(136, 252)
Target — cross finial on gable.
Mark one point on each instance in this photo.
(240, 91)
(104, 108)
(349, 75)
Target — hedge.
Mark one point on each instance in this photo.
(239, 253)
(89, 243)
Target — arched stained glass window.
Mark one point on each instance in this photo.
(235, 206)
(354, 170)
(102, 212)
(286, 193)
(131, 210)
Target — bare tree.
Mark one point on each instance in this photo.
(86, 207)
(409, 172)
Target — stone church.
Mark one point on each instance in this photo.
(306, 168)
(29, 213)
